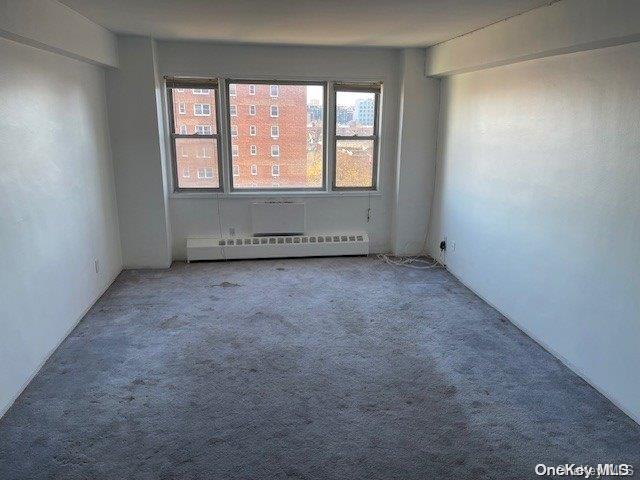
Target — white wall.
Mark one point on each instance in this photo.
(416, 154)
(57, 207)
(539, 189)
(198, 216)
(137, 144)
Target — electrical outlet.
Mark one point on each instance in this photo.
(96, 265)
(232, 231)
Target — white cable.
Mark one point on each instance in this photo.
(411, 262)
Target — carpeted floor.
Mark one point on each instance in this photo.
(337, 368)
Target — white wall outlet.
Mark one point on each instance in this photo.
(96, 265)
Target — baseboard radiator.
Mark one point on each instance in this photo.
(325, 245)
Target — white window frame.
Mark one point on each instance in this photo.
(276, 149)
(232, 90)
(207, 173)
(233, 110)
(182, 108)
(254, 169)
(183, 130)
(252, 110)
(202, 109)
(236, 170)
(253, 131)
(234, 130)
(275, 170)
(186, 173)
(271, 91)
(200, 91)
(277, 131)
(253, 149)
(271, 107)
(235, 151)
(252, 89)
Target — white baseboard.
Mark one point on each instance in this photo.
(612, 398)
(58, 343)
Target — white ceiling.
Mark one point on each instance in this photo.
(391, 23)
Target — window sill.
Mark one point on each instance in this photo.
(276, 195)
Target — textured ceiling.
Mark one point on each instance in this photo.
(390, 23)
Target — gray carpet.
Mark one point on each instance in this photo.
(337, 368)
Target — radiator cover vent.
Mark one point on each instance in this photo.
(213, 248)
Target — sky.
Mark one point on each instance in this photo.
(314, 92)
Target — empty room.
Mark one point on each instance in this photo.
(319, 240)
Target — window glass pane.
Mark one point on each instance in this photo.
(197, 163)
(354, 163)
(288, 136)
(192, 107)
(355, 113)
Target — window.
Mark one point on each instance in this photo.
(252, 89)
(203, 130)
(234, 150)
(205, 173)
(201, 109)
(254, 170)
(252, 109)
(233, 110)
(275, 170)
(302, 162)
(232, 90)
(236, 170)
(196, 152)
(234, 130)
(181, 90)
(356, 141)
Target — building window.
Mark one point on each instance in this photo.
(205, 173)
(203, 130)
(181, 90)
(275, 170)
(236, 170)
(254, 170)
(201, 109)
(233, 110)
(356, 142)
(305, 134)
(203, 144)
(252, 89)
(234, 130)
(232, 89)
(234, 150)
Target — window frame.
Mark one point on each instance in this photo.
(185, 83)
(376, 89)
(325, 166)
